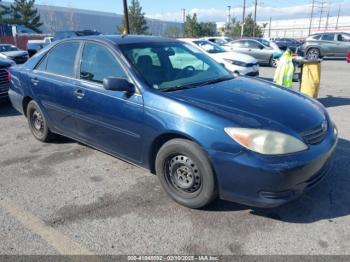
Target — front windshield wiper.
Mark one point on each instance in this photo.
(193, 85)
(215, 80)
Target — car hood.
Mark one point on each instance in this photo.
(250, 103)
(236, 56)
(14, 53)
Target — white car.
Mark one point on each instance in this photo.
(233, 61)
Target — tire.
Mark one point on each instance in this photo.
(185, 173)
(38, 123)
(313, 53)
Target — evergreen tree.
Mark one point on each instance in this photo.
(234, 29)
(137, 21)
(24, 13)
(191, 26)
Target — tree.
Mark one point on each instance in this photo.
(249, 27)
(137, 21)
(4, 14)
(24, 13)
(172, 31)
(234, 29)
(191, 26)
(207, 29)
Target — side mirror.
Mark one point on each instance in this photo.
(118, 84)
(261, 47)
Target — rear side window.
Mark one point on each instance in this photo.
(98, 63)
(61, 60)
(328, 37)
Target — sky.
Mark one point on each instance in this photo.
(211, 10)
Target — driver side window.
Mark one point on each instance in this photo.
(98, 63)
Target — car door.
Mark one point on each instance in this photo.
(343, 42)
(329, 47)
(53, 84)
(258, 51)
(110, 120)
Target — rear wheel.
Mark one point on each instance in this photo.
(38, 123)
(313, 53)
(185, 173)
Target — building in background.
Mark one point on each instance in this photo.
(299, 28)
(56, 18)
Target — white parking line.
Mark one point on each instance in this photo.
(57, 240)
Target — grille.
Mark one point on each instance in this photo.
(251, 64)
(315, 136)
(4, 82)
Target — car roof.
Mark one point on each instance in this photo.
(125, 39)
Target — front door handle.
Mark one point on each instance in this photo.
(35, 81)
(79, 93)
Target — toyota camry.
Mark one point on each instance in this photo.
(166, 106)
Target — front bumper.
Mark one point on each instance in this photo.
(262, 181)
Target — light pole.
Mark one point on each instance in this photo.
(126, 17)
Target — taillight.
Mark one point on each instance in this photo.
(8, 75)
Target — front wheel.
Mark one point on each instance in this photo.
(185, 173)
(313, 53)
(38, 123)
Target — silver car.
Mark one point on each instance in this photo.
(327, 45)
(266, 55)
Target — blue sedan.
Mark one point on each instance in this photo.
(166, 106)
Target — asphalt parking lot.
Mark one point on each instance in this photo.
(65, 197)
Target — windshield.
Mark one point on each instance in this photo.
(209, 47)
(264, 42)
(7, 48)
(174, 65)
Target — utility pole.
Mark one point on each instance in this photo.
(311, 15)
(270, 27)
(229, 15)
(336, 25)
(254, 25)
(243, 18)
(321, 14)
(183, 15)
(327, 21)
(126, 17)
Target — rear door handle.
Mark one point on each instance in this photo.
(79, 93)
(35, 81)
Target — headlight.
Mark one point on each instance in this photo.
(235, 62)
(266, 142)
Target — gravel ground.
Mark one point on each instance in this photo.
(67, 198)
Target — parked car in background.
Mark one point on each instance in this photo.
(33, 46)
(327, 45)
(348, 57)
(219, 40)
(205, 133)
(284, 43)
(266, 55)
(12, 52)
(233, 61)
(59, 35)
(5, 64)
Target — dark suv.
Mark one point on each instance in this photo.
(68, 34)
(327, 45)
